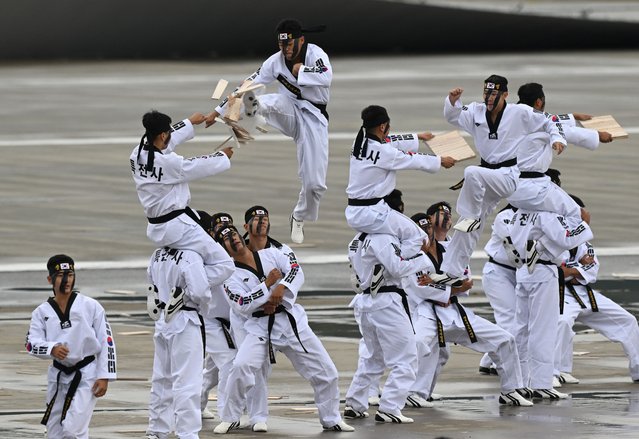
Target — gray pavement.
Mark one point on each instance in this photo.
(66, 131)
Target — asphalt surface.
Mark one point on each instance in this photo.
(66, 131)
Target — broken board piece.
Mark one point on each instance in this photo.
(451, 144)
(605, 123)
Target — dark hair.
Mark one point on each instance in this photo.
(253, 211)
(577, 200)
(500, 82)
(374, 115)
(60, 262)
(440, 205)
(529, 93)
(205, 221)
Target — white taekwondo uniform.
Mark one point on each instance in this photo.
(385, 324)
(179, 351)
(496, 178)
(593, 309)
(373, 175)
(165, 190)
(246, 292)
(85, 331)
(537, 303)
(440, 318)
(298, 110)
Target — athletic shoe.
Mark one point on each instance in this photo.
(260, 427)
(381, 416)
(484, 370)
(355, 283)
(526, 392)
(532, 255)
(176, 302)
(467, 225)
(377, 280)
(565, 377)
(153, 303)
(514, 398)
(251, 104)
(207, 414)
(341, 426)
(443, 278)
(548, 394)
(150, 436)
(435, 397)
(556, 382)
(374, 400)
(416, 401)
(297, 230)
(351, 413)
(224, 427)
(513, 255)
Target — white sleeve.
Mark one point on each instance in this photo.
(197, 283)
(182, 131)
(404, 142)
(293, 276)
(538, 121)
(195, 168)
(389, 256)
(106, 358)
(242, 300)
(435, 292)
(395, 160)
(37, 343)
(588, 272)
(224, 267)
(458, 115)
(583, 137)
(320, 74)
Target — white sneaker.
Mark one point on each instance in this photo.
(514, 398)
(555, 382)
(351, 413)
(435, 397)
(446, 279)
(260, 427)
(377, 280)
(565, 377)
(416, 401)
(392, 419)
(150, 436)
(532, 255)
(513, 255)
(207, 414)
(467, 225)
(224, 427)
(297, 230)
(355, 282)
(153, 303)
(373, 400)
(176, 302)
(548, 394)
(341, 426)
(251, 104)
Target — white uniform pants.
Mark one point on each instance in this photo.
(76, 422)
(380, 218)
(315, 366)
(541, 194)
(499, 286)
(217, 364)
(310, 133)
(390, 340)
(614, 322)
(368, 367)
(483, 189)
(536, 330)
(177, 383)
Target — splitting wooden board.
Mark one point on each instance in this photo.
(219, 89)
(451, 144)
(605, 123)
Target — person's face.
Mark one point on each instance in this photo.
(493, 100)
(56, 281)
(258, 225)
(540, 104)
(441, 221)
(291, 48)
(219, 226)
(233, 242)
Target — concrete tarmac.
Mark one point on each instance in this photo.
(66, 131)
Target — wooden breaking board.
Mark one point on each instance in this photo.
(451, 144)
(605, 123)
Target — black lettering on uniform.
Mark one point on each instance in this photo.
(178, 126)
(132, 166)
(375, 158)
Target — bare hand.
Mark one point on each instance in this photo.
(425, 136)
(467, 285)
(448, 162)
(273, 277)
(60, 352)
(559, 147)
(100, 387)
(582, 116)
(276, 295)
(197, 118)
(296, 69)
(210, 118)
(228, 151)
(424, 280)
(269, 308)
(587, 260)
(455, 94)
(605, 137)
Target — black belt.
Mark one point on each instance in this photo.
(484, 164)
(363, 201)
(462, 313)
(591, 297)
(73, 387)
(174, 214)
(504, 164)
(271, 321)
(226, 325)
(492, 261)
(202, 327)
(530, 174)
(321, 108)
(402, 293)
